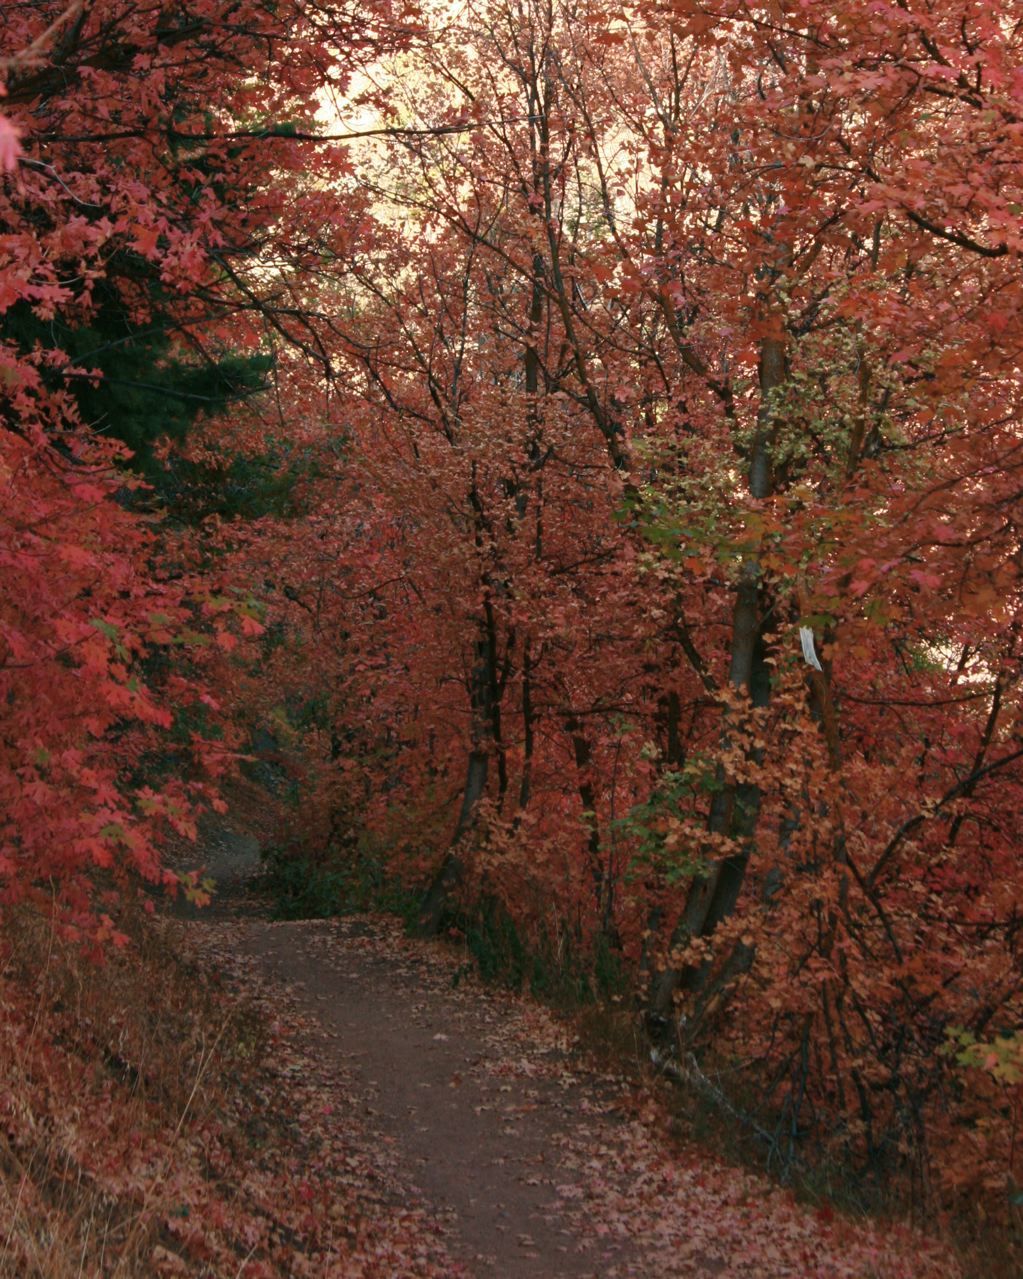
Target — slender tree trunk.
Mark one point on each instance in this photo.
(486, 685)
(669, 714)
(452, 868)
(528, 731)
(735, 808)
(583, 756)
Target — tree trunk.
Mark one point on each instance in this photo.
(445, 883)
(583, 756)
(735, 808)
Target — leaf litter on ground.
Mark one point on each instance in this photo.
(632, 1196)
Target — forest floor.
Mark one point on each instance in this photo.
(504, 1149)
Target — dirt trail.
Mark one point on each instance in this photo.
(483, 1117)
(534, 1163)
(474, 1091)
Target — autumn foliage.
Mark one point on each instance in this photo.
(140, 195)
(647, 390)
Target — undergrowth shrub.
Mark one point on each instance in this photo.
(552, 965)
(305, 887)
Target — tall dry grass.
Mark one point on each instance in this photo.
(118, 1082)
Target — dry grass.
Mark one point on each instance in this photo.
(158, 1120)
(109, 1077)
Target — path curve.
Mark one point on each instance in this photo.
(483, 1117)
(534, 1163)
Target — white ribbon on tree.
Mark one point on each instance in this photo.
(806, 639)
